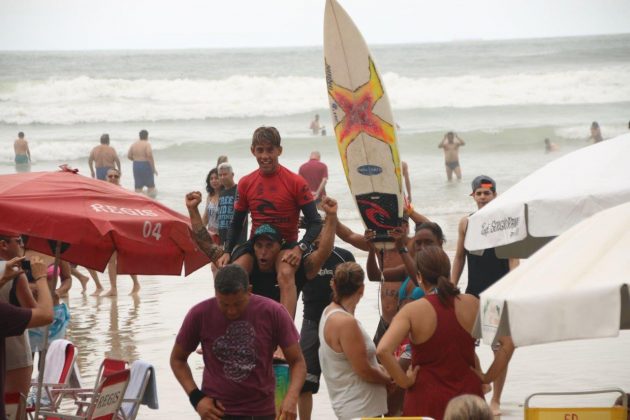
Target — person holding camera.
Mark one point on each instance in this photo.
(16, 294)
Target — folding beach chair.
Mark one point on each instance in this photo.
(15, 406)
(576, 413)
(141, 390)
(59, 373)
(100, 404)
(108, 367)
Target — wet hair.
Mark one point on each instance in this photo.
(435, 229)
(266, 135)
(209, 188)
(221, 160)
(348, 278)
(595, 124)
(105, 139)
(231, 279)
(21, 134)
(144, 135)
(435, 268)
(225, 165)
(468, 407)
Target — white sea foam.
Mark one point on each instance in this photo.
(87, 100)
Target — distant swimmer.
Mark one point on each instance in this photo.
(550, 147)
(315, 126)
(22, 154)
(596, 133)
(143, 164)
(451, 143)
(105, 158)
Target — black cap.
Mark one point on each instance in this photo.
(269, 231)
(484, 181)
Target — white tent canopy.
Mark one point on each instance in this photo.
(552, 199)
(576, 287)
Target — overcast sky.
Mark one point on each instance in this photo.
(151, 24)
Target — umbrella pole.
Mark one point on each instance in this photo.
(42, 352)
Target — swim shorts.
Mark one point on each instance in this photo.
(143, 174)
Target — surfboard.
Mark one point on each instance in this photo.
(364, 126)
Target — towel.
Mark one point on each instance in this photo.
(56, 330)
(55, 359)
(139, 369)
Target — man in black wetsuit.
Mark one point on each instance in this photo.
(483, 270)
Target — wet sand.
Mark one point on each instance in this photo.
(144, 327)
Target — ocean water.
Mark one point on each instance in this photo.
(502, 97)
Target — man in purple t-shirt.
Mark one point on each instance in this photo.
(14, 320)
(315, 173)
(239, 333)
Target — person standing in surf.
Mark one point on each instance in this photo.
(273, 195)
(315, 172)
(483, 270)
(143, 164)
(104, 157)
(22, 154)
(451, 144)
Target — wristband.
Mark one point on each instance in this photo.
(195, 396)
(403, 250)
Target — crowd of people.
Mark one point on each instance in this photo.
(421, 359)
(404, 369)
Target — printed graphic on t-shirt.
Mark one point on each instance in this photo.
(236, 350)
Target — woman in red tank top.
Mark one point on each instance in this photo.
(443, 350)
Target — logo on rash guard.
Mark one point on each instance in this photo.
(264, 206)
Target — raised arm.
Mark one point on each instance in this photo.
(313, 222)
(347, 235)
(405, 173)
(460, 252)
(317, 258)
(461, 142)
(200, 233)
(43, 313)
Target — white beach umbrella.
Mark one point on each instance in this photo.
(552, 199)
(576, 287)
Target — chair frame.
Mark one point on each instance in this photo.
(136, 401)
(15, 399)
(89, 400)
(527, 406)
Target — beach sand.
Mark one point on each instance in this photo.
(145, 327)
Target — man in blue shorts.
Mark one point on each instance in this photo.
(143, 164)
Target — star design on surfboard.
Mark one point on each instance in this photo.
(358, 106)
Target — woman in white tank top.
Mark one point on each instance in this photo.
(355, 381)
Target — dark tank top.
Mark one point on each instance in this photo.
(446, 360)
(484, 270)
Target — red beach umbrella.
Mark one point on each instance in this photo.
(92, 219)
